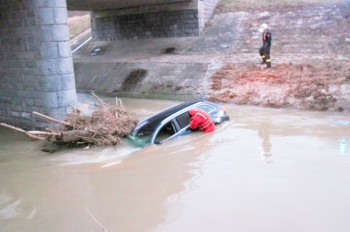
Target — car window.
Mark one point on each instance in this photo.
(165, 132)
(206, 108)
(183, 120)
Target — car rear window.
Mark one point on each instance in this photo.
(206, 108)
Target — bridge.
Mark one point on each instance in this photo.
(36, 66)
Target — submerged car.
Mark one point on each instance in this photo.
(172, 122)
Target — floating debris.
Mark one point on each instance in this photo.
(105, 126)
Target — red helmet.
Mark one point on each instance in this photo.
(193, 111)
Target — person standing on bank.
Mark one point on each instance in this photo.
(265, 49)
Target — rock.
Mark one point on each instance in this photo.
(263, 15)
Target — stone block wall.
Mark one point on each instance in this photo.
(169, 19)
(36, 67)
(150, 25)
(173, 19)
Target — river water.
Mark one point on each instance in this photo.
(265, 170)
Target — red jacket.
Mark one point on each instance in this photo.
(201, 120)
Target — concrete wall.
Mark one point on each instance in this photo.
(150, 25)
(36, 67)
(175, 19)
(206, 10)
(178, 81)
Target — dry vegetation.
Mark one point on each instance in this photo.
(105, 126)
(247, 5)
(78, 24)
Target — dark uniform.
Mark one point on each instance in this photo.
(265, 49)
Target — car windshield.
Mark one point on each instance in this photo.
(144, 131)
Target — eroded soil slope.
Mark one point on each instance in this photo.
(305, 87)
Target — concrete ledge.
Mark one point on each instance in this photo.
(91, 5)
(162, 80)
(147, 9)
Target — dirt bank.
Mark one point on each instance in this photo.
(301, 32)
(305, 87)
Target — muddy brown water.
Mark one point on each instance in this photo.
(265, 170)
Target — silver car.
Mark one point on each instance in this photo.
(173, 122)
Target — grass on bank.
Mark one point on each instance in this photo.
(78, 24)
(246, 5)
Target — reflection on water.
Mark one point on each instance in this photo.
(199, 182)
(107, 157)
(343, 141)
(8, 206)
(340, 122)
(263, 133)
(343, 146)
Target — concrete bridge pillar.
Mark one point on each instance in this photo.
(36, 67)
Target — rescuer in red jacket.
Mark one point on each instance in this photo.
(201, 120)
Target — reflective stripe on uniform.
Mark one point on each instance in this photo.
(203, 116)
(206, 124)
(268, 60)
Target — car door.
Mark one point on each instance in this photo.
(176, 127)
(165, 132)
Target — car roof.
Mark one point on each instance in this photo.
(169, 111)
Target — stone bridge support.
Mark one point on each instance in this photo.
(36, 67)
(164, 19)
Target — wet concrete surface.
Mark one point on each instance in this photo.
(265, 170)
